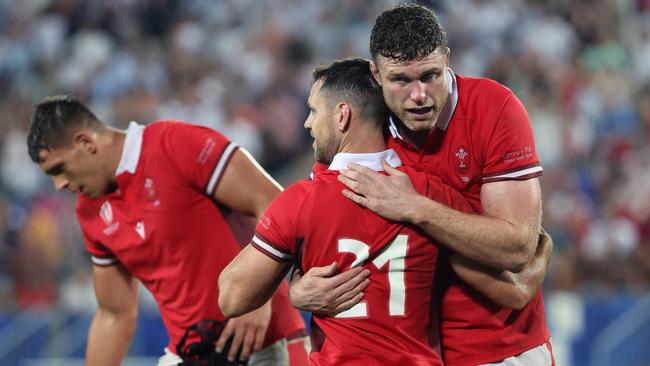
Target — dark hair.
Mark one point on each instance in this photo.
(351, 80)
(407, 32)
(53, 120)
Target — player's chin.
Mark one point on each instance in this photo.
(417, 125)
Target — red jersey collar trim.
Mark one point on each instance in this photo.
(371, 160)
(131, 150)
(447, 111)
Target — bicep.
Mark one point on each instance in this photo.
(245, 187)
(116, 289)
(515, 201)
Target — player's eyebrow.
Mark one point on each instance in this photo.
(56, 169)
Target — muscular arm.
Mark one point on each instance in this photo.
(114, 323)
(249, 281)
(507, 289)
(503, 237)
(245, 187)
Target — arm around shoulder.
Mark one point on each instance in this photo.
(507, 289)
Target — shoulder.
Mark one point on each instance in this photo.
(296, 193)
(482, 89)
(173, 129)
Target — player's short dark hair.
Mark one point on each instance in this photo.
(407, 32)
(53, 120)
(351, 80)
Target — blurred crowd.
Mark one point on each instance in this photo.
(244, 67)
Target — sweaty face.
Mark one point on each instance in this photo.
(320, 124)
(75, 170)
(415, 91)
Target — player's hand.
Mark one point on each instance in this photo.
(248, 332)
(323, 290)
(391, 196)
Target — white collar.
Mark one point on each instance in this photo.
(370, 160)
(445, 115)
(131, 150)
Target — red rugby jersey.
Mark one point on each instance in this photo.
(312, 224)
(484, 135)
(163, 226)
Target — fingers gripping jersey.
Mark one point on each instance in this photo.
(313, 223)
(163, 226)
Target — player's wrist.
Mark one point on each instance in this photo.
(418, 210)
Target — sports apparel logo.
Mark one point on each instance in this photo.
(462, 158)
(139, 228)
(106, 213)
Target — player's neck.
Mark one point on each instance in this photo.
(113, 146)
(363, 140)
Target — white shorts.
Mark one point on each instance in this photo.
(272, 355)
(538, 356)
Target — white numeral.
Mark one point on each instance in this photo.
(394, 254)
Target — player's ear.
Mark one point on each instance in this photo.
(375, 72)
(343, 115)
(85, 140)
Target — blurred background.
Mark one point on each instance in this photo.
(581, 68)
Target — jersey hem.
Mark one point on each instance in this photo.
(504, 354)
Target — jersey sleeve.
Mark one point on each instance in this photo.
(99, 254)
(277, 231)
(200, 154)
(510, 152)
(442, 193)
(434, 188)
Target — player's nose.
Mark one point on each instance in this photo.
(419, 92)
(60, 183)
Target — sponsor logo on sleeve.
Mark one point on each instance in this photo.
(207, 150)
(513, 156)
(265, 222)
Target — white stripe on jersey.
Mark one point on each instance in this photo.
(103, 261)
(221, 166)
(270, 249)
(518, 173)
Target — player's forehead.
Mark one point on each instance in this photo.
(433, 61)
(314, 93)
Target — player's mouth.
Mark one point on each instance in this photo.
(420, 113)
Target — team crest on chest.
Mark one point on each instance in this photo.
(462, 158)
(151, 192)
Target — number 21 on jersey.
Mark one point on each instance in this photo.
(395, 255)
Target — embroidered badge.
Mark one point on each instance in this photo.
(463, 160)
